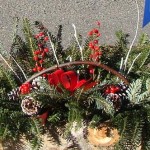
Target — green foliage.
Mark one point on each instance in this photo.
(135, 94)
(130, 125)
(30, 40)
(102, 103)
(36, 133)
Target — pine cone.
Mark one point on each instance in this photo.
(116, 94)
(14, 94)
(37, 83)
(30, 106)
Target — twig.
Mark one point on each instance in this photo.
(121, 64)
(19, 67)
(133, 63)
(9, 66)
(138, 18)
(75, 35)
(105, 67)
(53, 48)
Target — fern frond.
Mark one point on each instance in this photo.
(131, 130)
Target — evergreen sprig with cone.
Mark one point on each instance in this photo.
(34, 103)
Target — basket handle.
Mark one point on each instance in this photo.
(105, 67)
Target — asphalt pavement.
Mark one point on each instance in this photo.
(114, 15)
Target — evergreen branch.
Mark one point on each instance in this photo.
(7, 76)
(102, 103)
(4, 132)
(148, 84)
(10, 67)
(134, 91)
(147, 53)
(29, 36)
(54, 118)
(144, 96)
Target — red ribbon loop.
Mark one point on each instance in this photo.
(54, 78)
(69, 80)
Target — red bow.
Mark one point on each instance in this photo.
(69, 80)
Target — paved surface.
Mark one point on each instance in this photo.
(113, 14)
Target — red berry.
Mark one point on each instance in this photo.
(98, 23)
(46, 50)
(100, 53)
(96, 48)
(112, 90)
(91, 71)
(97, 53)
(90, 33)
(46, 38)
(98, 35)
(39, 45)
(95, 31)
(41, 34)
(41, 61)
(44, 75)
(25, 88)
(36, 58)
(117, 88)
(91, 45)
(43, 54)
(39, 68)
(36, 36)
(37, 52)
(41, 51)
(34, 69)
(107, 91)
(95, 41)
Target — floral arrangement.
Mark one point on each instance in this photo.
(103, 90)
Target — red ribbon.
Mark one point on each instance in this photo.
(69, 80)
(43, 117)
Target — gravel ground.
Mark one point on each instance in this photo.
(113, 15)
